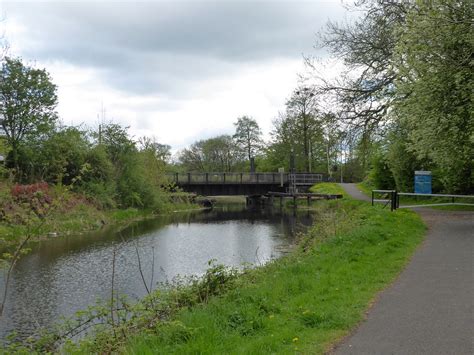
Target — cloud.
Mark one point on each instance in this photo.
(160, 64)
(161, 46)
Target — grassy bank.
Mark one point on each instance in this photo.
(301, 303)
(64, 212)
(329, 188)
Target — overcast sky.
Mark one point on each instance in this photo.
(176, 70)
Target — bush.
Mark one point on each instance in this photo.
(380, 174)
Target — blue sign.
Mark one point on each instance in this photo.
(423, 182)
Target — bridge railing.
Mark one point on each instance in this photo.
(244, 178)
(305, 179)
(228, 178)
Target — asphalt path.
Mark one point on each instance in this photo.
(429, 309)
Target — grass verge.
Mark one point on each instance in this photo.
(301, 303)
(365, 187)
(329, 188)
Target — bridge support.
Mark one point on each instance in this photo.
(254, 200)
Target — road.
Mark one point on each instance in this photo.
(429, 309)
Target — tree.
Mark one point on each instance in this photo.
(434, 59)
(248, 135)
(159, 150)
(332, 134)
(27, 103)
(218, 154)
(304, 127)
(365, 90)
(55, 157)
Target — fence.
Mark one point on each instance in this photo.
(245, 178)
(392, 198)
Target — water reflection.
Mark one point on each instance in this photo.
(66, 274)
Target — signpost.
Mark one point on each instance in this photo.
(423, 182)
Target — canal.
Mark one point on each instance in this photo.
(65, 274)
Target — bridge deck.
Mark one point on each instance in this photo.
(214, 184)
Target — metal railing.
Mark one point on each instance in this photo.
(228, 178)
(392, 198)
(453, 198)
(305, 179)
(387, 197)
(244, 178)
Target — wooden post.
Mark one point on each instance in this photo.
(309, 200)
(189, 178)
(207, 178)
(224, 178)
(241, 177)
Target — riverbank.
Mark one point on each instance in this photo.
(63, 212)
(303, 302)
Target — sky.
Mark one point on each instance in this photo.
(178, 71)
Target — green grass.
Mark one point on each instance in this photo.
(328, 188)
(365, 187)
(422, 200)
(301, 303)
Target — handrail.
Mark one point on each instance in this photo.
(244, 178)
(394, 199)
(434, 195)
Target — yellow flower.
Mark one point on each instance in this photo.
(295, 339)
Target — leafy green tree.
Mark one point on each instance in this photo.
(248, 135)
(159, 150)
(434, 58)
(27, 103)
(298, 132)
(218, 154)
(302, 110)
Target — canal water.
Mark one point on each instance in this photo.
(66, 274)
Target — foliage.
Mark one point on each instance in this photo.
(27, 103)
(407, 87)
(248, 135)
(434, 58)
(381, 175)
(294, 133)
(213, 154)
(114, 321)
(364, 90)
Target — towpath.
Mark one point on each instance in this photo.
(429, 309)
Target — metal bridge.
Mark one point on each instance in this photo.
(214, 184)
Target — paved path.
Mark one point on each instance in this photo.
(352, 190)
(430, 307)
